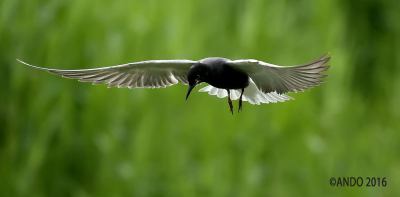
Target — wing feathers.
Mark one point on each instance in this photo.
(125, 82)
(316, 60)
(283, 79)
(153, 74)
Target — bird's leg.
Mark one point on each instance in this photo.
(240, 101)
(230, 101)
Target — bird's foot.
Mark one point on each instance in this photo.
(240, 100)
(230, 101)
(230, 105)
(240, 105)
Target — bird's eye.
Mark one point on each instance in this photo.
(198, 79)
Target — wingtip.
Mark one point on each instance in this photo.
(26, 63)
(322, 57)
(326, 60)
(37, 67)
(20, 61)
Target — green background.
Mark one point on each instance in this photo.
(60, 137)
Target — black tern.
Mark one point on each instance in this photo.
(259, 82)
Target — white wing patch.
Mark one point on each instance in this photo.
(251, 94)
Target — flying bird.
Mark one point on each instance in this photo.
(247, 80)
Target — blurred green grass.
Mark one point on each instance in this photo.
(60, 137)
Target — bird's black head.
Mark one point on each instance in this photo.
(197, 73)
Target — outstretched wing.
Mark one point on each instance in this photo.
(283, 79)
(149, 74)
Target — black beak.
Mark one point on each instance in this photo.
(189, 90)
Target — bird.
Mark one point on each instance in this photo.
(244, 79)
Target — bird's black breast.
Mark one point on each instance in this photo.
(223, 76)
